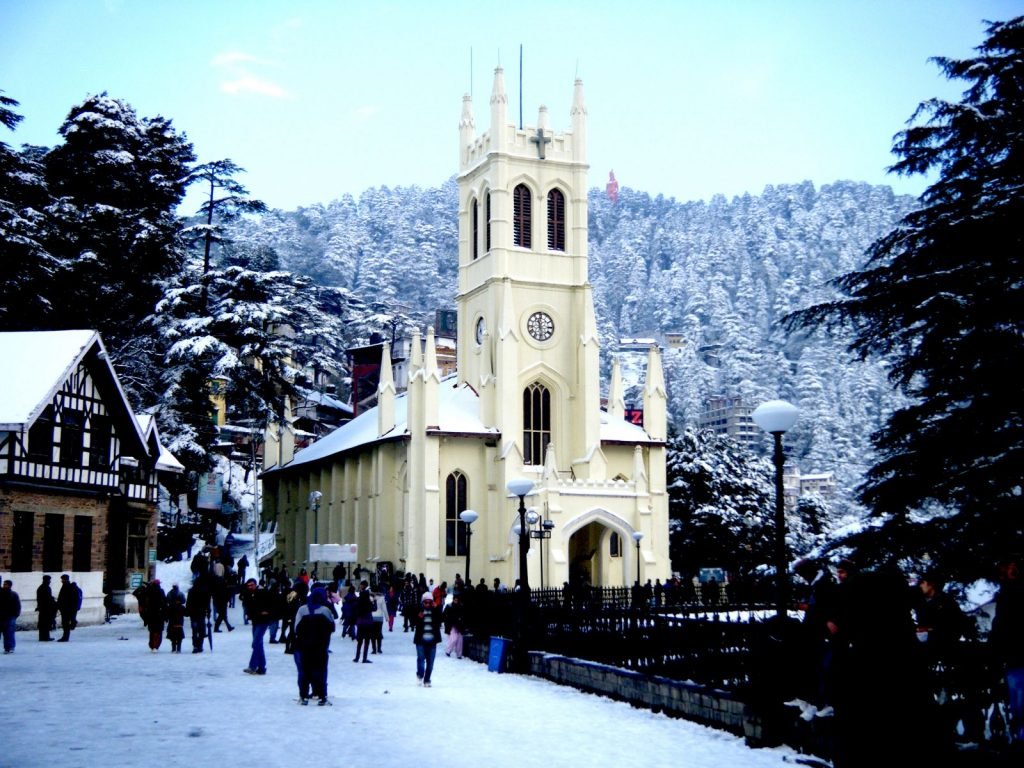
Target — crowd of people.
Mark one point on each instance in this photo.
(868, 642)
(301, 613)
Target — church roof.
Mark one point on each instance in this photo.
(458, 409)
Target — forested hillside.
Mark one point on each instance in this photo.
(720, 272)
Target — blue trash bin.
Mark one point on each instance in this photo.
(497, 658)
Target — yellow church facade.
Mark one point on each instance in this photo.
(525, 403)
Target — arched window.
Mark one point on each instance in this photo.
(556, 220)
(474, 228)
(487, 216)
(614, 545)
(536, 423)
(456, 495)
(521, 216)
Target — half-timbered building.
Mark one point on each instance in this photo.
(78, 472)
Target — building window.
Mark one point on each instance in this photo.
(456, 496)
(487, 215)
(556, 220)
(614, 545)
(81, 554)
(21, 541)
(72, 424)
(474, 228)
(536, 423)
(99, 442)
(521, 216)
(136, 555)
(40, 437)
(53, 542)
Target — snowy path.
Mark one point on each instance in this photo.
(104, 699)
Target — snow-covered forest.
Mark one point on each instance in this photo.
(720, 272)
(94, 239)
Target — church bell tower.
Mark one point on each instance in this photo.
(527, 335)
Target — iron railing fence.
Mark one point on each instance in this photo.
(741, 649)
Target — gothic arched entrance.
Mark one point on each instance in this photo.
(596, 556)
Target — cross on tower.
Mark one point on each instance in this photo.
(540, 140)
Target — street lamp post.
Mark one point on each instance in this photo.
(520, 487)
(541, 532)
(469, 517)
(777, 417)
(637, 535)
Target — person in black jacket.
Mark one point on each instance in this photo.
(46, 605)
(69, 600)
(197, 607)
(426, 637)
(10, 610)
(259, 609)
(314, 624)
(155, 613)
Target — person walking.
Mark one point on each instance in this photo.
(221, 594)
(391, 605)
(454, 618)
(69, 600)
(363, 614)
(154, 614)
(197, 608)
(378, 615)
(426, 636)
(314, 625)
(259, 609)
(175, 619)
(46, 606)
(10, 610)
(1007, 642)
(410, 601)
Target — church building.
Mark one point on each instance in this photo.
(524, 404)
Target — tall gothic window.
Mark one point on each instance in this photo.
(536, 423)
(556, 220)
(474, 228)
(456, 495)
(487, 217)
(521, 216)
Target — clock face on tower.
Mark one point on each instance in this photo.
(541, 326)
(480, 326)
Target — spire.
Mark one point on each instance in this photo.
(616, 403)
(655, 415)
(578, 113)
(417, 354)
(431, 380)
(430, 369)
(386, 394)
(467, 128)
(543, 121)
(499, 108)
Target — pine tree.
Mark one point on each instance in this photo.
(26, 266)
(116, 180)
(942, 298)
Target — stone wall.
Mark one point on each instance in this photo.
(715, 708)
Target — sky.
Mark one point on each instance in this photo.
(104, 699)
(318, 99)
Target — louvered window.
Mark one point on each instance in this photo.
(521, 217)
(556, 220)
(487, 215)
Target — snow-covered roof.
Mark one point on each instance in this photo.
(312, 396)
(458, 410)
(165, 461)
(37, 362)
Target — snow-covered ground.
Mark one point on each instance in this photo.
(104, 700)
